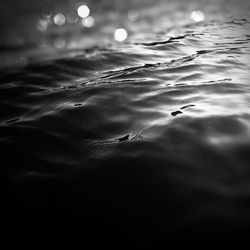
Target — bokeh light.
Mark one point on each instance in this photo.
(83, 11)
(59, 19)
(42, 25)
(197, 16)
(59, 43)
(133, 15)
(120, 35)
(88, 22)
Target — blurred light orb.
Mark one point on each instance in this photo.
(42, 25)
(120, 35)
(197, 16)
(59, 43)
(83, 11)
(88, 22)
(59, 19)
(133, 15)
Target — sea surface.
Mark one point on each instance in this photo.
(144, 139)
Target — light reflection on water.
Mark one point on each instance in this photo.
(59, 19)
(163, 115)
(120, 35)
(83, 11)
(79, 30)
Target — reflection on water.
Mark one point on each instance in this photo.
(120, 35)
(31, 28)
(83, 11)
(197, 16)
(151, 133)
(59, 19)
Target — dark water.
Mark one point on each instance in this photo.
(147, 139)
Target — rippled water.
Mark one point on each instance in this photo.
(150, 138)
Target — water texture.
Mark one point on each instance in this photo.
(150, 137)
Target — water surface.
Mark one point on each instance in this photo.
(149, 138)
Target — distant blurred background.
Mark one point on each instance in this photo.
(47, 26)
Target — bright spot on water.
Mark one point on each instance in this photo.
(88, 22)
(59, 43)
(133, 15)
(83, 11)
(120, 35)
(59, 19)
(42, 25)
(197, 16)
